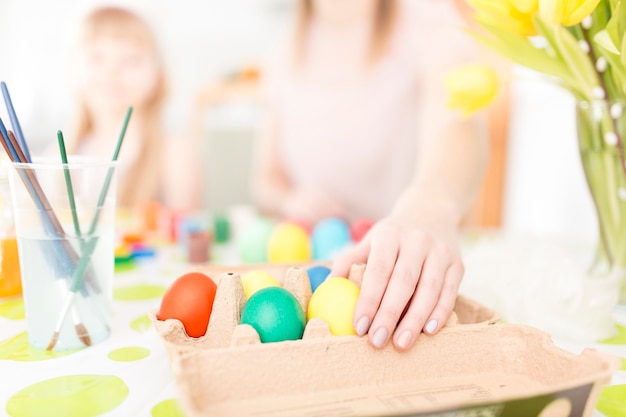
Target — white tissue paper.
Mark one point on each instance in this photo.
(542, 284)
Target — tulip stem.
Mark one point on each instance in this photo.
(607, 99)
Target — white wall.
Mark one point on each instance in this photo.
(545, 188)
(202, 39)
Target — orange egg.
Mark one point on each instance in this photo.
(190, 300)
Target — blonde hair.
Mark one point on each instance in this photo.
(143, 177)
(383, 22)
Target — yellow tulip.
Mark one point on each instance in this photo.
(471, 87)
(566, 12)
(514, 16)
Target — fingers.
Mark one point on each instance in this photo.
(427, 295)
(410, 285)
(384, 246)
(358, 254)
(447, 299)
(399, 292)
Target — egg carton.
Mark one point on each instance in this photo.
(474, 366)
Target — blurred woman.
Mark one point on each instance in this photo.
(357, 126)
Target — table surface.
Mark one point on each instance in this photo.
(132, 362)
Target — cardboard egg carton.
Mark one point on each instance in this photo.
(474, 366)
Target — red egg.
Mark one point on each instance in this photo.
(306, 226)
(190, 300)
(360, 228)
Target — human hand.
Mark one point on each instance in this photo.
(311, 205)
(410, 283)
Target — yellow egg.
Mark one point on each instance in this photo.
(289, 243)
(257, 280)
(334, 301)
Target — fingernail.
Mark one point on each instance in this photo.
(405, 339)
(362, 326)
(380, 337)
(431, 326)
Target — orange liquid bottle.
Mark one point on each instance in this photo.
(10, 276)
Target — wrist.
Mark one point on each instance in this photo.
(423, 207)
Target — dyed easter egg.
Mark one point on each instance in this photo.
(317, 275)
(360, 228)
(252, 243)
(190, 300)
(275, 314)
(289, 243)
(254, 281)
(334, 302)
(329, 237)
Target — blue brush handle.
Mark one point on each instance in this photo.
(15, 123)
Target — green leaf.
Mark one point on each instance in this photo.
(602, 14)
(617, 24)
(518, 49)
(618, 69)
(623, 52)
(577, 61)
(603, 39)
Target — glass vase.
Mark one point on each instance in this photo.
(601, 128)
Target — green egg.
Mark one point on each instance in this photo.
(253, 242)
(275, 314)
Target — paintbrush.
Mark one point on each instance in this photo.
(15, 123)
(89, 247)
(81, 330)
(11, 147)
(65, 256)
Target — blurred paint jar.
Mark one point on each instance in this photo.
(10, 276)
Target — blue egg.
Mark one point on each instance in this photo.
(317, 275)
(329, 237)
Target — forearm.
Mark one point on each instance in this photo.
(447, 176)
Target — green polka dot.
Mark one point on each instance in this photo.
(18, 349)
(141, 324)
(167, 408)
(12, 309)
(612, 401)
(138, 292)
(72, 395)
(620, 339)
(129, 354)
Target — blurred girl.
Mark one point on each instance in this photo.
(119, 65)
(357, 126)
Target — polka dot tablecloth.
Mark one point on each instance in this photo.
(128, 374)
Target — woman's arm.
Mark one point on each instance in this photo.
(414, 266)
(413, 259)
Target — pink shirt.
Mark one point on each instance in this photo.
(349, 129)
